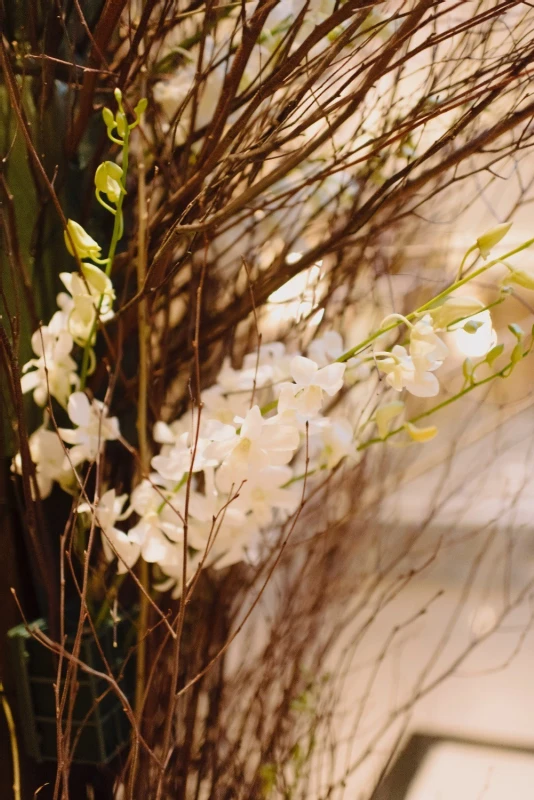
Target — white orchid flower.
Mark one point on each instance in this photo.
(427, 350)
(108, 180)
(264, 492)
(94, 427)
(89, 295)
(84, 245)
(188, 453)
(54, 370)
(260, 443)
(306, 394)
(272, 355)
(115, 543)
(224, 407)
(48, 455)
(233, 534)
(336, 441)
(401, 373)
(326, 348)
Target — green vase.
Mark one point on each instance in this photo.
(99, 723)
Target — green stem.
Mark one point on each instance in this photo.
(426, 306)
(503, 373)
(464, 259)
(177, 488)
(109, 599)
(115, 237)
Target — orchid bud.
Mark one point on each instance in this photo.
(108, 178)
(117, 94)
(420, 435)
(517, 331)
(517, 354)
(487, 241)
(472, 325)
(84, 245)
(522, 277)
(385, 414)
(453, 309)
(109, 119)
(122, 123)
(468, 369)
(494, 354)
(141, 106)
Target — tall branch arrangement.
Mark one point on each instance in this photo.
(212, 213)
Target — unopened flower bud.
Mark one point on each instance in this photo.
(453, 309)
(141, 106)
(487, 241)
(522, 277)
(84, 245)
(108, 178)
(472, 325)
(122, 123)
(420, 435)
(384, 416)
(108, 117)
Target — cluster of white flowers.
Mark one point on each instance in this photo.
(231, 469)
(226, 474)
(413, 367)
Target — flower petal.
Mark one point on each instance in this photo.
(79, 409)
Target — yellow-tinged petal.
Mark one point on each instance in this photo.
(85, 245)
(420, 434)
(454, 308)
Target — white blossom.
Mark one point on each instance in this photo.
(272, 355)
(92, 292)
(188, 453)
(427, 350)
(266, 491)
(326, 349)
(336, 438)
(401, 373)
(260, 443)
(84, 245)
(222, 407)
(94, 427)
(306, 394)
(48, 455)
(115, 542)
(54, 370)
(233, 534)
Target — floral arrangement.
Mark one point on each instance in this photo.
(194, 465)
(229, 469)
